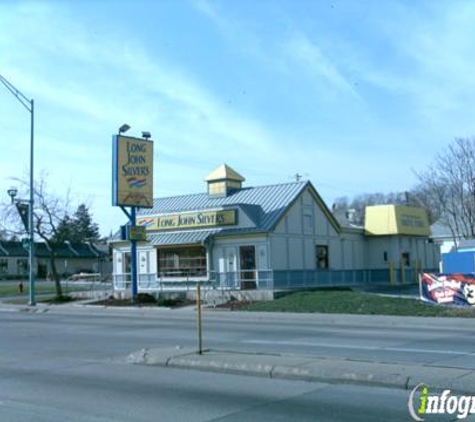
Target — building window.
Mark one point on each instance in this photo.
(322, 257)
(406, 259)
(216, 188)
(248, 265)
(182, 262)
(3, 266)
(127, 263)
(385, 256)
(233, 185)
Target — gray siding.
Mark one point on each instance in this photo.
(305, 225)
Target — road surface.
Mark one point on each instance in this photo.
(68, 364)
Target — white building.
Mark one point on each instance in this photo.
(269, 237)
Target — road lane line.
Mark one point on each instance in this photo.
(343, 346)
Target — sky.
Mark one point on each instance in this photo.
(356, 96)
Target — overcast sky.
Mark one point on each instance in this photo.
(353, 95)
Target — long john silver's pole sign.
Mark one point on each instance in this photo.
(132, 178)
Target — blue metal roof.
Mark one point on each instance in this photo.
(264, 204)
(180, 238)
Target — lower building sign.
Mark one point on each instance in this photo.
(448, 289)
(137, 233)
(190, 220)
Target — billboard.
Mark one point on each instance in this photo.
(190, 220)
(448, 289)
(132, 172)
(384, 220)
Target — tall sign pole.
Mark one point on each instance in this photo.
(132, 186)
(133, 251)
(31, 209)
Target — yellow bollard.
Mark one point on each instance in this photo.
(392, 275)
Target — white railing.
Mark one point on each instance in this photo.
(237, 280)
(255, 279)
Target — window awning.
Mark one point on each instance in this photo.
(180, 238)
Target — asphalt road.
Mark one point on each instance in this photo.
(107, 391)
(434, 341)
(69, 364)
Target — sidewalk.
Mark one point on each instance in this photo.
(309, 368)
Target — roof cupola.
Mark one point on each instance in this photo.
(223, 181)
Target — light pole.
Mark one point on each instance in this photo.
(30, 106)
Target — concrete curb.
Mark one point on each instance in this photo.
(310, 369)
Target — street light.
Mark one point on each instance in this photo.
(124, 128)
(12, 192)
(30, 106)
(22, 206)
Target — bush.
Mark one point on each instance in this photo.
(60, 299)
(169, 303)
(145, 298)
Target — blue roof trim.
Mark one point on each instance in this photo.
(115, 181)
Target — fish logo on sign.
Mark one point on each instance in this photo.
(146, 222)
(135, 182)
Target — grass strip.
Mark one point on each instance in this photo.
(350, 302)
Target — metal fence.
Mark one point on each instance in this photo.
(266, 279)
(328, 278)
(88, 289)
(238, 280)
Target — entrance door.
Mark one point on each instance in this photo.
(230, 266)
(143, 262)
(248, 266)
(144, 276)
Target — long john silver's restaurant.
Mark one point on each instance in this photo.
(270, 238)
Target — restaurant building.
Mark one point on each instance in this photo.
(279, 236)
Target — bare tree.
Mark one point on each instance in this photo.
(48, 213)
(448, 187)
